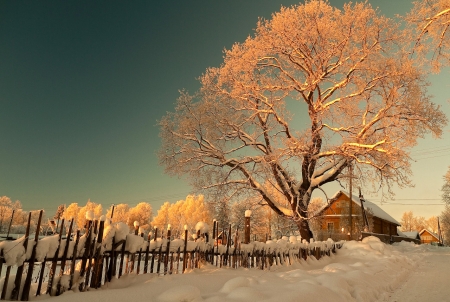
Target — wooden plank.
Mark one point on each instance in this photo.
(18, 280)
(74, 258)
(166, 259)
(51, 275)
(27, 284)
(159, 259)
(98, 258)
(147, 249)
(5, 283)
(41, 278)
(122, 256)
(139, 259)
(64, 258)
(91, 254)
(85, 256)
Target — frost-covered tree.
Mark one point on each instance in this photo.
(407, 222)
(432, 224)
(259, 224)
(141, 213)
(314, 89)
(120, 214)
(187, 212)
(59, 213)
(430, 20)
(90, 206)
(161, 220)
(71, 212)
(446, 188)
(6, 210)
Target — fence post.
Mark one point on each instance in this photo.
(91, 254)
(185, 246)
(122, 256)
(98, 258)
(64, 259)
(138, 266)
(27, 284)
(74, 258)
(166, 258)
(5, 283)
(15, 292)
(154, 250)
(87, 245)
(54, 262)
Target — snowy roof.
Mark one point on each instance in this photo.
(413, 234)
(376, 210)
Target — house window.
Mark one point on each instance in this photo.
(330, 227)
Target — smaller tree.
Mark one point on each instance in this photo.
(315, 220)
(432, 224)
(59, 213)
(446, 188)
(6, 207)
(161, 220)
(259, 225)
(141, 213)
(430, 21)
(90, 206)
(120, 214)
(407, 222)
(420, 223)
(445, 224)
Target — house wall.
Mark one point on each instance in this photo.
(427, 238)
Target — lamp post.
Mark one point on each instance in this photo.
(247, 215)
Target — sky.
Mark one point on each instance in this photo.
(84, 83)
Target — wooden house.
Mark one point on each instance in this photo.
(335, 219)
(428, 237)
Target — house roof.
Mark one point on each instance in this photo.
(413, 234)
(376, 210)
(431, 233)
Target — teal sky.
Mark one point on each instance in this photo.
(83, 84)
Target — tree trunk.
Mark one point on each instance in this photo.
(303, 227)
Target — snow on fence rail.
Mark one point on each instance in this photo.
(105, 251)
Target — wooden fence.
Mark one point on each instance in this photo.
(54, 264)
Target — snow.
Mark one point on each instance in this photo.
(412, 235)
(367, 270)
(202, 227)
(90, 215)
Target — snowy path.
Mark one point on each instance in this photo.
(428, 281)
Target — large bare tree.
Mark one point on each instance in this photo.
(431, 20)
(314, 90)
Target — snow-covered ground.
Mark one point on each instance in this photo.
(360, 271)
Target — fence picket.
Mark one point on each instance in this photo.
(18, 280)
(27, 284)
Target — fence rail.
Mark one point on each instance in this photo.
(53, 265)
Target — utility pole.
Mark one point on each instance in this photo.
(350, 172)
(365, 220)
(441, 242)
